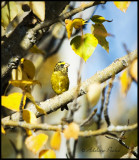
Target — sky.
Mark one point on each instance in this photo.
(124, 29)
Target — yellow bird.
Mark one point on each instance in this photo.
(60, 80)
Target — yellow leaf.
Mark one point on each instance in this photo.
(28, 94)
(38, 8)
(100, 33)
(84, 46)
(9, 12)
(133, 70)
(99, 19)
(47, 154)
(72, 131)
(35, 142)
(28, 131)
(35, 49)
(29, 116)
(76, 23)
(56, 140)
(94, 92)
(13, 101)
(126, 81)
(24, 84)
(3, 130)
(28, 67)
(123, 6)
(69, 27)
(25, 70)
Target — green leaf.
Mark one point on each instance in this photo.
(99, 31)
(99, 19)
(84, 46)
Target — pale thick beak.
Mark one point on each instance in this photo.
(67, 65)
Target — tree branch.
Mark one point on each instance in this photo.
(106, 115)
(47, 24)
(107, 130)
(88, 133)
(88, 118)
(101, 108)
(123, 144)
(56, 102)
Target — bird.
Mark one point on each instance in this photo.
(60, 79)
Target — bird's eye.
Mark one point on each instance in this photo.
(62, 65)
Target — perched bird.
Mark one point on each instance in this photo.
(60, 80)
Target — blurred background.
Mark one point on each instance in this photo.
(57, 46)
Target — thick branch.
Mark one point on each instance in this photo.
(55, 103)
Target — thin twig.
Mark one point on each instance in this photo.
(123, 144)
(127, 155)
(107, 130)
(107, 119)
(69, 154)
(88, 118)
(21, 106)
(88, 133)
(74, 148)
(47, 24)
(123, 133)
(119, 139)
(101, 108)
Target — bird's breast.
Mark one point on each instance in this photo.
(60, 82)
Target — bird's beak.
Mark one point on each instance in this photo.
(67, 65)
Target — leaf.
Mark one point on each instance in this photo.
(100, 33)
(28, 131)
(123, 6)
(69, 27)
(77, 23)
(99, 19)
(3, 130)
(47, 154)
(99, 30)
(25, 70)
(29, 116)
(13, 101)
(133, 70)
(72, 131)
(38, 8)
(126, 81)
(8, 12)
(94, 92)
(23, 84)
(35, 142)
(84, 46)
(35, 49)
(28, 67)
(55, 140)
(29, 96)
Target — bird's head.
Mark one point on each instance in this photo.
(62, 66)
